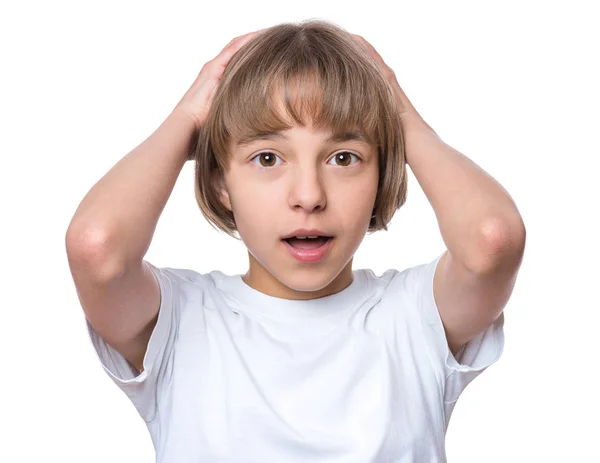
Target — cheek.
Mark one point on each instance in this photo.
(254, 194)
(253, 211)
(255, 202)
(360, 195)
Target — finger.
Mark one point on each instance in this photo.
(387, 70)
(371, 50)
(232, 47)
(364, 43)
(237, 41)
(362, 40)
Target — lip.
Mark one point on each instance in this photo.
(307, 232)
(308, 255)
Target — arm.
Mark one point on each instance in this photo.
(478, 220)
(482, 229)
(115, 221)
(113, 226)
(120, 213)
(111, 232)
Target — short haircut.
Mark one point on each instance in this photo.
(339, 87)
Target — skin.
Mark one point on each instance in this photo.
(305, 183)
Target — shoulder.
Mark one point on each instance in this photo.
(185, 285)
(406, 280)
(187, 277)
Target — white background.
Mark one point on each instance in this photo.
(513, 85)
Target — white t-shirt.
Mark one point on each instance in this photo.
(234, 375)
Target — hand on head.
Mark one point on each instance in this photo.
(197, 100)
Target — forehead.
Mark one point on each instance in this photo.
(285, 135)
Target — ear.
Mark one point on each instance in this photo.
(221, 189)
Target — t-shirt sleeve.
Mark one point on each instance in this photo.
(144, 388)
(478, 354)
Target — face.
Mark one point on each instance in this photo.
(298, 178)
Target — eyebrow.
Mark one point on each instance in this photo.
(335, 138)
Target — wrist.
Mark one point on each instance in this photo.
(181, 121)
(417, 133)
(414, 123)
(182, 114)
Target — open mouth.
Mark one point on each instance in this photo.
(308, 243)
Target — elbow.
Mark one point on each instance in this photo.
(87, 251)
(503, 245)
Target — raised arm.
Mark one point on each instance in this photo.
(113, 226)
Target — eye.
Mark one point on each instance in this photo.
(269, 157)
(345, 158)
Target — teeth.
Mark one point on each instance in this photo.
(304, 237)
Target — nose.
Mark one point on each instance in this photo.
(308, 192)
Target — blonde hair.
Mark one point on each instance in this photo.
(339, 87)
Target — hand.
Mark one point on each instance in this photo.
(197, 100)
(410, 116)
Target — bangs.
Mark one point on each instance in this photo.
(308, 100)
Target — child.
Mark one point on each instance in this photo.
(302, 359)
